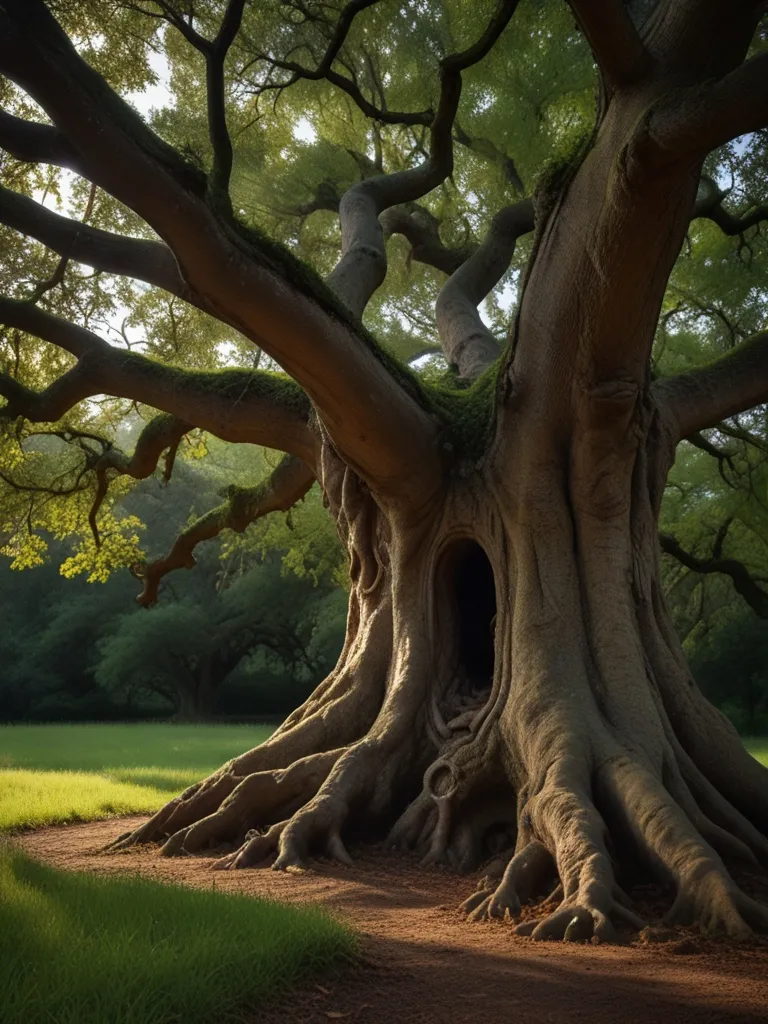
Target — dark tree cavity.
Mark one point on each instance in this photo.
(510, 688)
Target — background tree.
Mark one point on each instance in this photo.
(186, 650)
(510, 676)
(256, 625)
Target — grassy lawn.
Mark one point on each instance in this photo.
(52, 774)
(758, 747)
(80, 948)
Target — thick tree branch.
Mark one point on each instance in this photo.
(743, 583)
(614, 40)
(363, 263)
(140, 259)
(286, 485)
(248, 406)
(466, 341)
(36, 143)
(694, 122)
(732, 384)
(422, 229)
(244, 280)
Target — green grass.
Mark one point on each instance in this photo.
(52, 774)
(84, 949)
(758, 747)
(32, 799)
(98, 748)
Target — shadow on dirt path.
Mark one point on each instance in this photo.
(422, 964)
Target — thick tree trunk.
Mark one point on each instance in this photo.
(511, 688)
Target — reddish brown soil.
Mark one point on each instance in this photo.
(422, 964)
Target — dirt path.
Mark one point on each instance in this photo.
(424, 965)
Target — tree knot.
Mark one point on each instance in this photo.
(441, 780)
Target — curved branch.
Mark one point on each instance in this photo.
(753, 594)
(324, 70)
(699, 120)
(723, 458)
(216, 94)
(732, 384)
(250, 406)
(363, 263)
(710, 206)
(422, 229)
(614, 40)
(138, 258)
(286, 485)
(466, 341)
(163, 432)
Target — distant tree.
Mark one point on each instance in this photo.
(186, 649)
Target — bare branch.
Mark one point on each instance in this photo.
(466, 341)
(325, 70)
(732, 384)
(286, 485)
(615, 42)
(740, 434)
(710, 206)
(162, 432)
(743, 583)
(217, 118)
(723, 458)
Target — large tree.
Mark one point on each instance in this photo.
(510, 679)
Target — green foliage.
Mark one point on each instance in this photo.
(77, 947)
(723, 638)
(292, 157)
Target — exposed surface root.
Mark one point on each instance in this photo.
(256, 850)
(520, 882)
(707, 896)
(262, 796)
